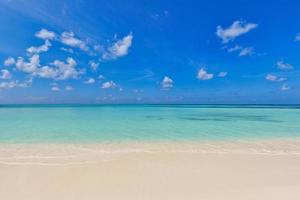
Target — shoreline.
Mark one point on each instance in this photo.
(68, 153)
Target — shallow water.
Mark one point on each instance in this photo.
(118, 123)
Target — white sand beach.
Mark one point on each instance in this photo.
(211, 171)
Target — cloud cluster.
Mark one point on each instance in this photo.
(62, 70)
(282, 66)
(229, 34)
(58, 70)
(66, 70)
(28, 67)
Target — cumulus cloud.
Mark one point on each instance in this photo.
(9, 61)
(5, 74)
(109, 85)
(274, 78)
(94, 65)
(45, 34)
(59, 70)
(46, 72)
(284, 66)
(90, 81)
(28, 67)
(222, 74)
(238, 28)
(204, 75)
(284, 87)
(119, 48)
(167, 82)
(68, 38)
(39, 49)
(66, 70)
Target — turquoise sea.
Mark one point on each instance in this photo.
(118, 123)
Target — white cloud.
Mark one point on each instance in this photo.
(5, 74)
(66, 70)
(69, 88)
(246, 51)
(167, 82)
(285, 87)
(297, 37)
(101, 77)
(109, 84)
(9, 61)
(243, 51)
(46, 72)
(94, 65)
(236, 29)
(284, 66)
(90, 81)
(28, 67)
(37, 50)
(8, 85)
(222, 74)
(25, 84)
(68, 38)
(235, 48)
(55, 88)
(45, 34)
(119, 48)
(274, 78)
(15, 83)
(60, 70)
(204, 75)
(69, 50)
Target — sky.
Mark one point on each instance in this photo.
(137, 51)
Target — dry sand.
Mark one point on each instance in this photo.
(209, 171)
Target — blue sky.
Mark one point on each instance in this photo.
(75, 51)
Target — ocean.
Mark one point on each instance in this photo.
(121, 123)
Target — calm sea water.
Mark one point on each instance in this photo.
(116, 123)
